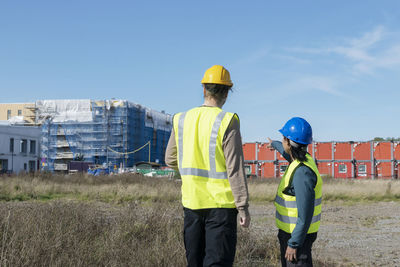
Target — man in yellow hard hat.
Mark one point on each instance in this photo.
(206, 147)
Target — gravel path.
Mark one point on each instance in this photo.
(366, 234)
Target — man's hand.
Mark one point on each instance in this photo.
(245, 221)
(290, 254)
(270, 144)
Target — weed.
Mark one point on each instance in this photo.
(369, 221)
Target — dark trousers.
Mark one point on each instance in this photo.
(304, 257)
(210, 236)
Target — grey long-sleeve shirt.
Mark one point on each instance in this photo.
(303, 184)
(233, 152)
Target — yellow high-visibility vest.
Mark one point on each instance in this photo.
(199, 133)
(286, 207)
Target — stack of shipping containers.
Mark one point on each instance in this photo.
(335, 159)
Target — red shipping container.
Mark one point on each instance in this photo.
(264, 153)
(343, 169)
(363, 170)
(310, 149)
(281, 168)
(249, 151)
(250, 169)
(325, 168)
(268, 170)
(362, 151)
(323, 151)
(384, 170)
(342, 151)
(382, 150)
(396, 147)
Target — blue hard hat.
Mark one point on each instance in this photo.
(298, 130)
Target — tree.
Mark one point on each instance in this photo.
(386, 139)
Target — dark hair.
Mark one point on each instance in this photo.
(217, 91)
(297, 150)
(216, 87)
(299, 153)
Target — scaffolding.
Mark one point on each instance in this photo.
(106, 136)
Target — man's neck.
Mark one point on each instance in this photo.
(210, 102)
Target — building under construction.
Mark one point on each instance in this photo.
(111, 133)
(370, 159)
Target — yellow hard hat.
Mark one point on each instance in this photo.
(217, 74)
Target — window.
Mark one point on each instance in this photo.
(32, 148)
(3, 165)
(342, 168)
(12, 145)
(24, 145)
(31, 166)
(362, 168)
(282, 168)
(25, 166)
(247, 169)
(19, 112)
(8, 114)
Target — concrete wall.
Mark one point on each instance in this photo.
(26, 153)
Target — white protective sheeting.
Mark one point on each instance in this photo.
(65, 110)
(17, 120)
(158, 120)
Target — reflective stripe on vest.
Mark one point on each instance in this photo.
(293, 220)
(286, 206)
(292, 204)
(212, 173)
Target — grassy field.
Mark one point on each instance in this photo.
(130, 220)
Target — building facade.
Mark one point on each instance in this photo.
(19, 148)
(111, 133)
(335, 159)
(25, 111)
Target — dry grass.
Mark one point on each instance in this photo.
(103, 221)
(116, 189)
(128, 220)
(126, 188)
(78, 234)
(66, 233)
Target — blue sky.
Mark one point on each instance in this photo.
(335, 63)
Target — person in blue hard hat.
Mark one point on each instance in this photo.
(298, 199)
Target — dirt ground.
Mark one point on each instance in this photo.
(366, 234)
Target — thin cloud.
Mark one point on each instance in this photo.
(318, 83)
(374, 50)
(369, 39)
(253, 57)
(293, 59)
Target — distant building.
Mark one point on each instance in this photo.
(111, 133)
(19, 148)
(21, 112)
